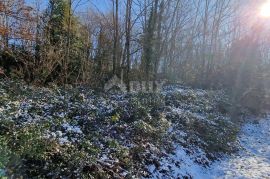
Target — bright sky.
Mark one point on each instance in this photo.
(265, 9)
(102, 5)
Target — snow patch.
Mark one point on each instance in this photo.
(178, 165)
(253, 161)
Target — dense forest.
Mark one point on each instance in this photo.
(66, 45)
(208, 44)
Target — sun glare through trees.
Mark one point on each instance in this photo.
(265, 9)
(145, 89)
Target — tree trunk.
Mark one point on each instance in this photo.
(158, 44)
(116, 36)
(66, 60)
(128, 35)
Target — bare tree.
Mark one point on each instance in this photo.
(116, 34)
(128, 40)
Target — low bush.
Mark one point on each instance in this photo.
(75, 133)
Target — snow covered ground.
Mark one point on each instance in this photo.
(253, 161)
(175, 134)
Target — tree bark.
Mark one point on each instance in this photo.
(128, 36)
(66, 60)
(116, 35)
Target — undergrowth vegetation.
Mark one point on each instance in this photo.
(79, 133)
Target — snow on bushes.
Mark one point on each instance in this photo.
(76, 132)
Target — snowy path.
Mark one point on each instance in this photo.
(253, 162)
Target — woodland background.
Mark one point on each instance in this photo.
(210, 44)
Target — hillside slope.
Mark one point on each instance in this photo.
(77, 132)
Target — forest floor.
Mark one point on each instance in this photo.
(80, 133)
(253, 160)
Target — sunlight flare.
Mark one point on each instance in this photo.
(265, 9)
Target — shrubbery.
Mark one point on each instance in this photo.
(77, 133)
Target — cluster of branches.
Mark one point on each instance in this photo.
(207, 43)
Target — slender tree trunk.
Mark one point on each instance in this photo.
(116, 36)
(128, 36)
(204, 40)
(66, 60)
